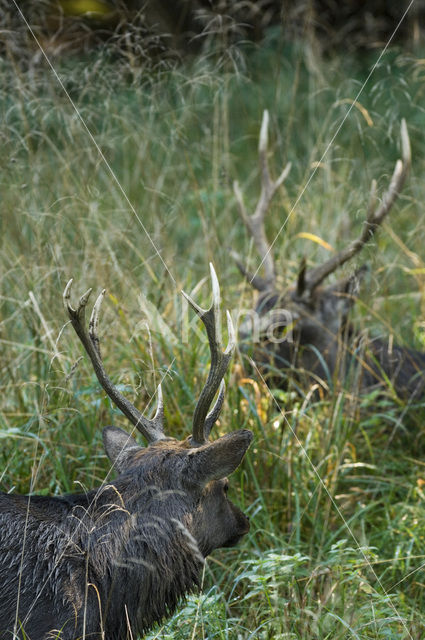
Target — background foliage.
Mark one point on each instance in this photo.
(169, 30)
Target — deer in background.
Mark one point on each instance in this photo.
(305, 327)
(111, 562)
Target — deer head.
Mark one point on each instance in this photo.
(304, 326)
(194, 467)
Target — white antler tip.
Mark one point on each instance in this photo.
(159, 413)
(284, 174)
(84, 298)
(67, 290)
(405, 143)
(262, 145)
(67, 295)
(97, 304)
(231, 333)
(215, 286)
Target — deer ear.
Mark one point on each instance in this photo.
(118, 445)
(220, 458)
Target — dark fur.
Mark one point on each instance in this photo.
(120, 557)
(323, 347)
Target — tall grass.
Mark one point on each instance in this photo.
(138, 200)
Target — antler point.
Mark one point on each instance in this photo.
(215, 286)
(405, 143)
(231, 333)
(262, 143)
(198, 310)
(66, 296)
(84, 299)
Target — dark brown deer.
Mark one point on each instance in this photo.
(107, 564)
(305, 327)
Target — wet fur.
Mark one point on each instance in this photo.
(120, 557)
(325, 346)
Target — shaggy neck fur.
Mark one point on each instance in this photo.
(101, 552)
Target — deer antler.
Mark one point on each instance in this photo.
(255, 223)
(202, 420)
(376, 214)
(153, 430)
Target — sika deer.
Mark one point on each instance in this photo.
(306, 327)
(109, 563)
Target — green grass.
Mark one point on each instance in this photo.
(334, 488)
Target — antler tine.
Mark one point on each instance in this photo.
(374, 217)
(202, 420)
(212, 416)
(255, 222)
(153, 430)
(256, 281)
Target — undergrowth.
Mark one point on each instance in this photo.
(132, 190)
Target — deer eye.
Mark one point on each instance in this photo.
(226, 487)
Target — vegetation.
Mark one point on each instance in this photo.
(173, 29)
(121, 177)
